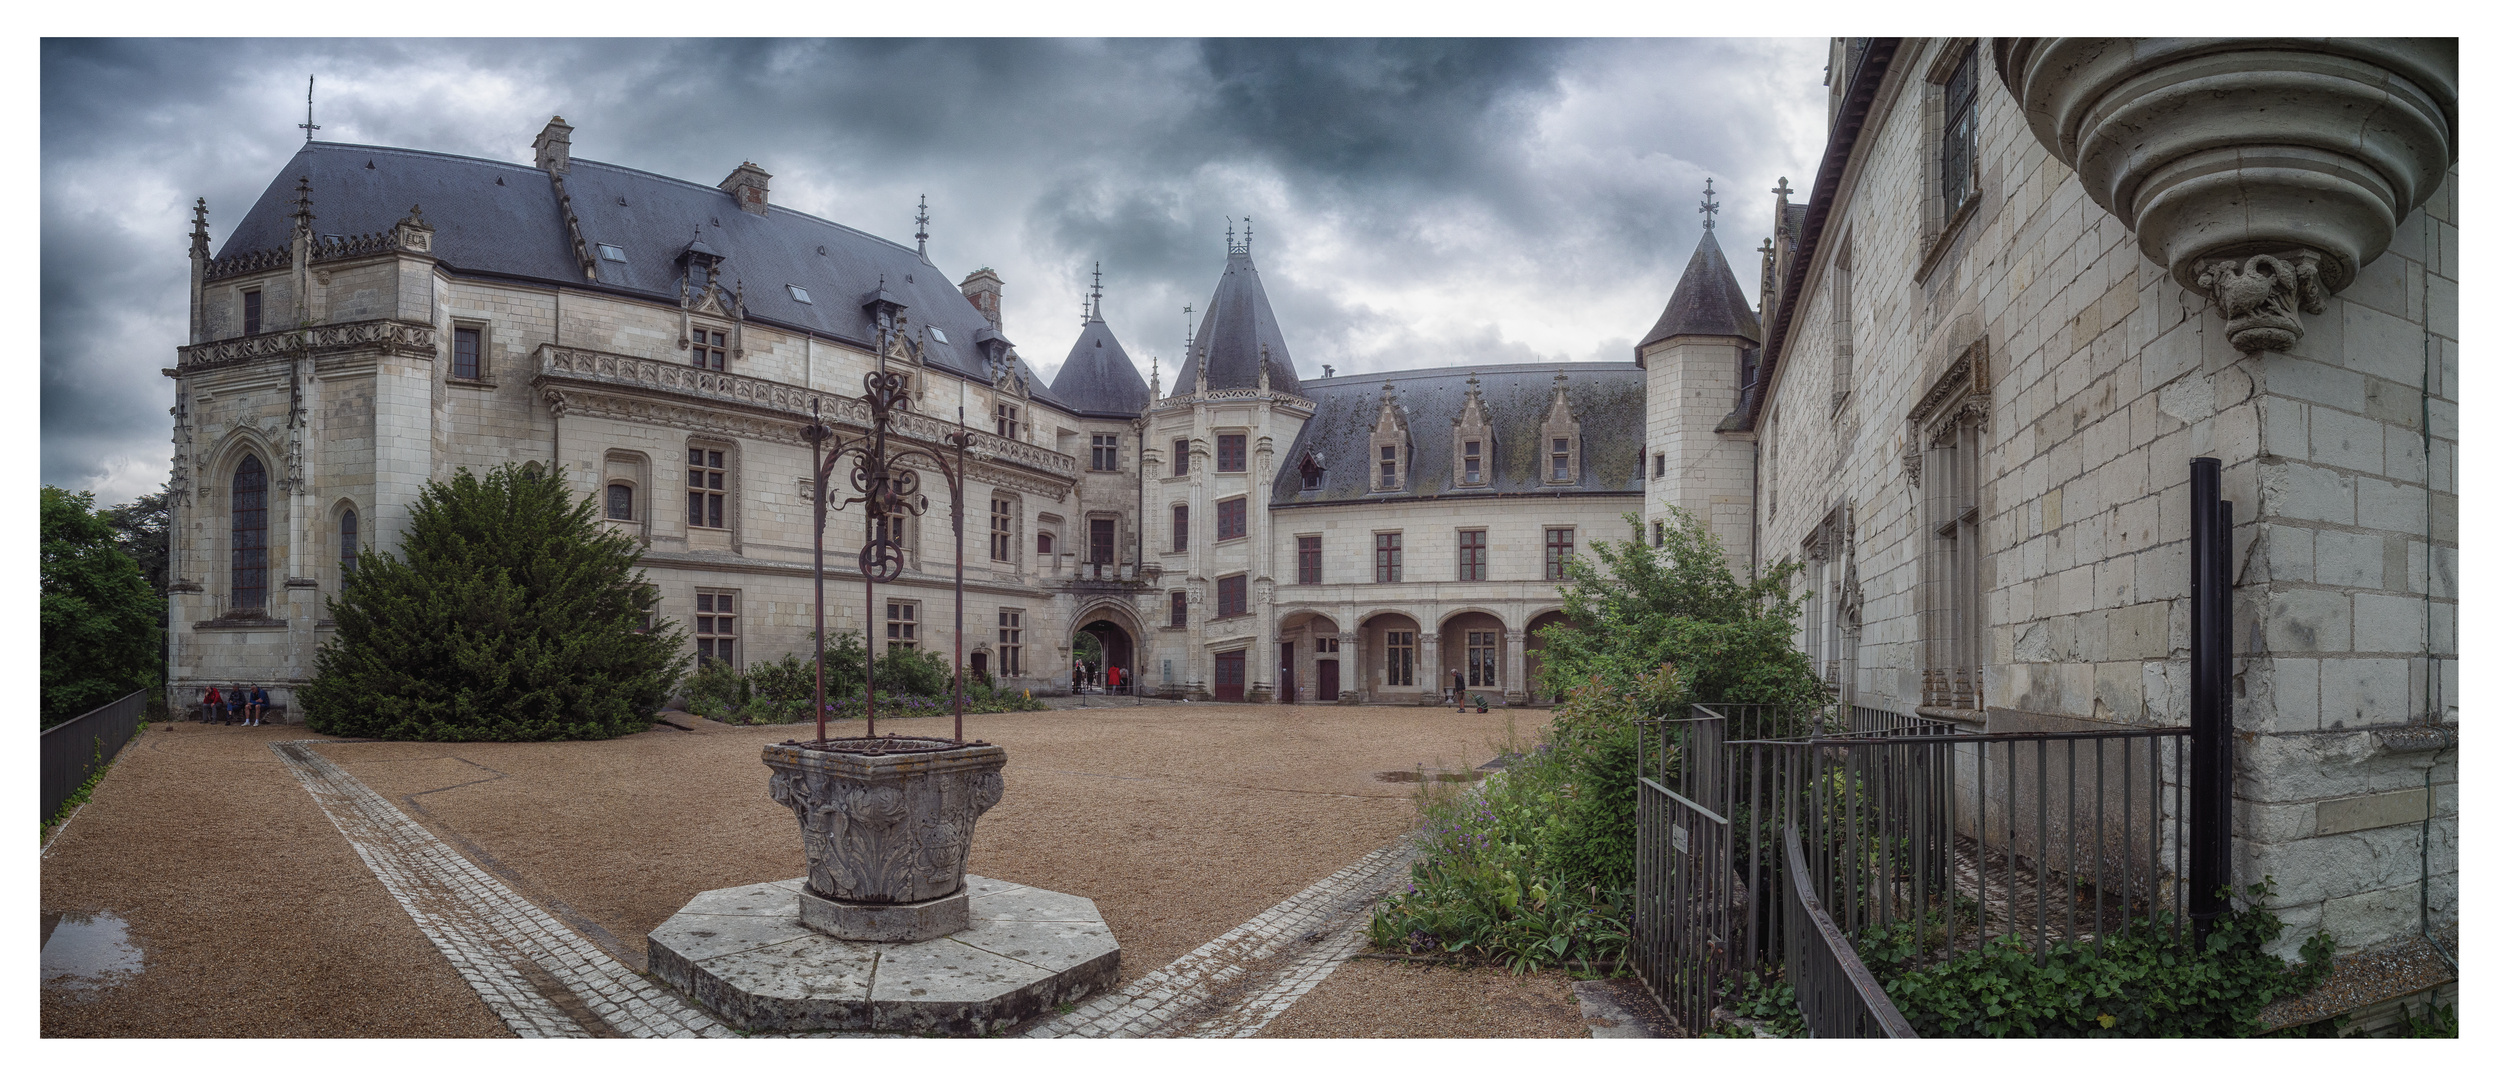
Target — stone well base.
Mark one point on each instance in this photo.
(744, 953)
(896, 923)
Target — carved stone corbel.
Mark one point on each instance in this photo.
(2261, 295)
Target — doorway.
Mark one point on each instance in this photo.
(1110, 665)
(1230, 680)
(1287, 672)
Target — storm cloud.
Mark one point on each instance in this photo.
(1413, 202)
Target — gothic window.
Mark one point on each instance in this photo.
(1309, 560)
(1400, 657)
(1482, 657)
(1387, 557)
(1100, 541)
(1560, 553)
(709, 349)
(1957, 133)
(250, 536)
(621, 502)
(1104, 453)
(1473, 555)
(1012, 642)
(707, 489)
(903, 624)
(1178, 609)
(1230, 595)
(465, 349)
(1944, 456)
(252, 311)
(347, 542)
(716, 635)
(1231, 452)
(1182, 456)
(1182, 527)
(1840, 292)
(1231, 519)
(1002, 550)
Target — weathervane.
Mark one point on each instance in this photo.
(1708, 207)
(309, 126)
(922, 227)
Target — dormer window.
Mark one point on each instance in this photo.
(1560, 461)
(1470, 473)
(1390, 440)
(1474, 437)
(1391, 467)
(1005, 421)
(1561, 436)
(710, 349)
(1311, 471)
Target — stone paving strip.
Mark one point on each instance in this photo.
(539, 975)
(1232, 986)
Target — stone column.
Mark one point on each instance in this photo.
(1352, 666)
(1517, 683)
(1430, 669)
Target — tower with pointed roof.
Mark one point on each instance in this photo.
(1696, 359)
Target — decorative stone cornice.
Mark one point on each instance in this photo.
(392, 336)
(660, 391)
(2217, 149)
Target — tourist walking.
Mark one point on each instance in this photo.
(1458, 690)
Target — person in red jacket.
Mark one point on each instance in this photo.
(212, 706)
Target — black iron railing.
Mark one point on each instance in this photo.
(74, 749)
(1839, 998)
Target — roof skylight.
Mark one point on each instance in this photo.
(799, 293)
(613, 253)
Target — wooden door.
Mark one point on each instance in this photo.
(1230, 681)
(1326, 680)
(1287, 673)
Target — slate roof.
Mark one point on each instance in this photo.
(1099, 378)
(1232, 332)
(1607, 398)
(516, 230)
(1708, 301)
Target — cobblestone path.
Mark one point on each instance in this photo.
(541, 977)
(1232, 986)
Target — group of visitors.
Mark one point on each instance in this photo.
(227, 707)
(1084, 674)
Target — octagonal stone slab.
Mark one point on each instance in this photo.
(743, 953)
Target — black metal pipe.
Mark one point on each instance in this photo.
(2212, 726)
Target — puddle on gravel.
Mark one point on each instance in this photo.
(88, 952)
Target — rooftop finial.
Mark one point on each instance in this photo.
(1783, 187)
(1234, 248)
(1096, 295)
(922, 227)
(1230, 235)
(200, 228)
(309, 126)
(304, 203)
(1708, 207)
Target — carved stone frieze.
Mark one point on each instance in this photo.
(890, 828)
(392, 336)
(2261, 295)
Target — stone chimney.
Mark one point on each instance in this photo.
(983, 288)
(747, 183)
(553, 150)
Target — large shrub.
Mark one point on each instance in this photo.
(911, 682)
(1632, 607)
(509, 614)
(101, 619)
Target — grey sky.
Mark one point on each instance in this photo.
(1415, 202)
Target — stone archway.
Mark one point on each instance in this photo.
(1393, 666)
(1473, 643)
(1534, 671)
(1310, 666)
(1115, 666)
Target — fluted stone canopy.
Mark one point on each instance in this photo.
(1707, 303)
(1233, 332)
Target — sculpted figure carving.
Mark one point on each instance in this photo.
(2260, 297)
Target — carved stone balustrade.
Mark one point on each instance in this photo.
(389, 335)
(2262, 172)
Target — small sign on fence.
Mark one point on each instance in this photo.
(1678, 838)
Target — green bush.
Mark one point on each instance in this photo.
(510, 614)
(2144, 983)
(102, 622)
(1632, 607)
(911, 682)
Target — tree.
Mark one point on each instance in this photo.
(140, 529)
(100, 619)
(1633, 607)
(510, 615)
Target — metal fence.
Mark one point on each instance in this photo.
(1940, 839)
(1839, 998)
(73, 749)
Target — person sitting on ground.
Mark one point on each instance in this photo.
(253, 705)
(212, 706)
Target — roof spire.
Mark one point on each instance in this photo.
(1708, 207)
(1230, 236)
(200, 229)
(304, 204)
(1233, 248)
(309, 126)
(922, 228)
(1096, 296)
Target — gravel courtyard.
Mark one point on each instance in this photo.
(256, 917)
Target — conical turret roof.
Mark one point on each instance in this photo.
(1098, 377)
(1707, 303)
(1233, 332)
